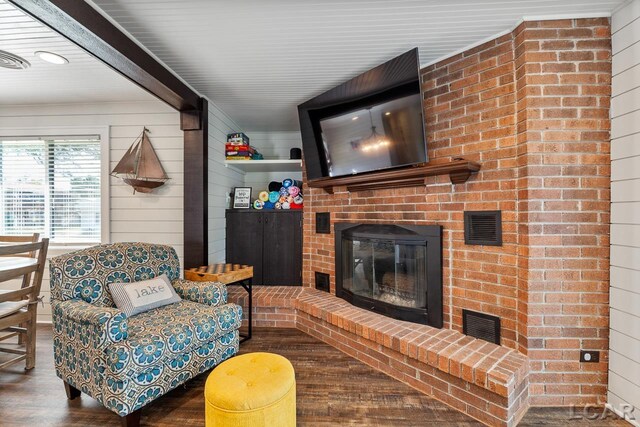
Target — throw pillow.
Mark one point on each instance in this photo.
(138, 297)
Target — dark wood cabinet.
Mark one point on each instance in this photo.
(244, 240)
(269, 240)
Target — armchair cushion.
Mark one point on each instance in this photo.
(210, 293)
(163, 336)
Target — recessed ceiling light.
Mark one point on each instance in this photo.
(52, 58)
(387, 113)
(354, 118)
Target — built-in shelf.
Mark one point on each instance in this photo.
(458, 170)
(265, 165)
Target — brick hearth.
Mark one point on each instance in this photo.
(484, 380)
(273, 306)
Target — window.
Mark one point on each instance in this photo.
(51, 185)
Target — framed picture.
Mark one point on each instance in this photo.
(241, 197)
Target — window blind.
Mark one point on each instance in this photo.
(51, 186)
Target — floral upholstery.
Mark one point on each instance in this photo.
(86, 274)
(127, 362)
(169, 332)
(210, 293)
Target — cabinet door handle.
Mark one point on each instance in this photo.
(266, 220)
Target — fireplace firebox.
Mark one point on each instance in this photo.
(395, 270)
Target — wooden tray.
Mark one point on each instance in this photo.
(225, 273)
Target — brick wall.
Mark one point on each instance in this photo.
(531, 107)
(470, 112)
(563, 71)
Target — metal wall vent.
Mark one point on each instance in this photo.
(483, 228)
(13, 62)
(322, 282)
(480, 325)
(323, 222)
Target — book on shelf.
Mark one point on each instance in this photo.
(233, 147)
(239, 153)
(239, 158)
(238, 137)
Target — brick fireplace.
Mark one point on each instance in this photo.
(532, 107)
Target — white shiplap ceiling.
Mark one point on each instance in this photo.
(83, 79)
(258, 59)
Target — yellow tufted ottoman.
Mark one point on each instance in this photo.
(251, 390)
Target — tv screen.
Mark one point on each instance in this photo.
(371, 122)
(379, 136)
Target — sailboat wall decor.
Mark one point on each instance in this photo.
(140, 167)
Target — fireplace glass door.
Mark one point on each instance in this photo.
(389, 271)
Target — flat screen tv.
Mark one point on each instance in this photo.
(371, 122)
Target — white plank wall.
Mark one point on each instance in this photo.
(624, 363)
(272, 145)
(275, 145)
(155, 217)
(221, 180)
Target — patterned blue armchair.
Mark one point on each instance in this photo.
(123, 362)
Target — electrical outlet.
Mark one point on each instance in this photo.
(589, 356)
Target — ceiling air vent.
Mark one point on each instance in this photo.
(13, 62)
(483, 228)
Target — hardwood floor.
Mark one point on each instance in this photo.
(333, 390)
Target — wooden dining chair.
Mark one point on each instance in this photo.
(21, 258)
(9, 240)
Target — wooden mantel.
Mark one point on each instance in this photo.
(458, 170)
